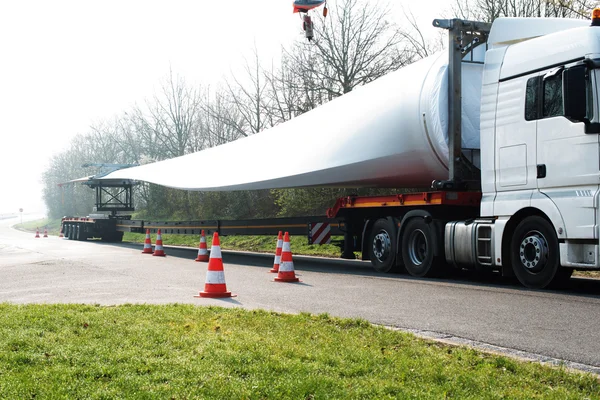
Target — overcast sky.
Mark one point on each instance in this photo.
(68, 64)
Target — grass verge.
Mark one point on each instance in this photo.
(263, 244)
(52, 225)
(184, 351)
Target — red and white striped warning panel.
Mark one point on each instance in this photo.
(320, 233)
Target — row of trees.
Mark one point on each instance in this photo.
(355, 45)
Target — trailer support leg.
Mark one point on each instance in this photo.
(348, 252)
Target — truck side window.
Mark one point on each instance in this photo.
(553, 97)
(531, 99)
(589, 94)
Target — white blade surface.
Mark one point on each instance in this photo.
(389, 133)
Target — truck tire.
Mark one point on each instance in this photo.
(81, 235)
(382, 245)
(534, 254)
(418, 248)
(70, 230)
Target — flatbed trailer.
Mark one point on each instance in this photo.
(318, 229)
(116, 196)
(373, 225)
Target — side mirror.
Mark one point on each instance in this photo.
(575, 93)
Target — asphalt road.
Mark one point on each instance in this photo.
(559, 324)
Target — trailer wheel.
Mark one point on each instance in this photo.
(70, 230)
(382, 245)
(534, 254)
(418, 248)
(81, 235)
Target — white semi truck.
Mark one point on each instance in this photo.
(504, 129)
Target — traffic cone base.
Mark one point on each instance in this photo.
(286, 273)
(216, 291)
(215, 295)
(214, 286)
(147, 243)
(294, 279)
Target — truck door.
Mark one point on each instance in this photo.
(515, 148)
(568, 158)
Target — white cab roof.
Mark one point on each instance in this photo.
(551, 50)
(507, 31)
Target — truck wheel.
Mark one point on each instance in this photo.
(70, 230)
(534, 254)
(78, 232)
(84, 234)
(81, 235)
(418, 248)
(382, 245)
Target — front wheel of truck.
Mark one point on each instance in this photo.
(534, 254)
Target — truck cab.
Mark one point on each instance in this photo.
(539, 176)
(540, 149)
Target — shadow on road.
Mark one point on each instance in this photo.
(576, 286)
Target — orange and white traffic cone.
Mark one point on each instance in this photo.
(286, 266)
(202, 250)
(215, 285)
(37, 233)
(61, 231)
(45, 233)
(158, 248)
(147, 243)
(277, 253)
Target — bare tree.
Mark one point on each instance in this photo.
(294, 90)
(172, 120)
(221, 120)
(489, 10)
(417, 46)
(248, 95)
(355, 45)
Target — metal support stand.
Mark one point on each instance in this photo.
(348, 252)
(463, 37)
(113, 196)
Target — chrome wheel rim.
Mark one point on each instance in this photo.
(382, 246)
(533, 251)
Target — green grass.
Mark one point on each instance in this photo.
(53, 226)
(185, 351)
(266, 244)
